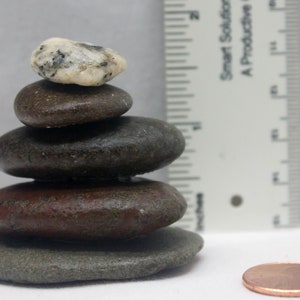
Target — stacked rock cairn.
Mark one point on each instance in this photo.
(86, 216)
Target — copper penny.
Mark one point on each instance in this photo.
(276, 279)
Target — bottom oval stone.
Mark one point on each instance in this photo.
(44, 261)
(114, 210)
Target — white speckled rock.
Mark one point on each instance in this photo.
(70, 62)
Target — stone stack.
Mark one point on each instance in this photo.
(86, 216)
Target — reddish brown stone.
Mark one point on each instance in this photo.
(107, 210)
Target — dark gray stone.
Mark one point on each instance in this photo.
(45, 104)
(123, 146)
(86, 211)
(42, 261)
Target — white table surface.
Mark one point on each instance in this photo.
(216, 273)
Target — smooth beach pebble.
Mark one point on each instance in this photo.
(69, 62)
(114, 210)
(44, 261)
(45, 104)
(123, 146)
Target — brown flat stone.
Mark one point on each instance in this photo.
(45, 104)
(123, 146)
(114, 210)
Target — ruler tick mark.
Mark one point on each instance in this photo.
(178, 81)
(175, 61)
(179, 89)
(177, 102)
(181, 96)
(180, 165)
(175, 33)
(177, 54)
(174, 5)
(174, 19)
(183, 68)
(175, 47)
(176, 75)
(194, 178)
(179, 109)
(177, 26)
(172, 117)
(179, 40)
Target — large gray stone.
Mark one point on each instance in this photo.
(43, 261)
(123, 146)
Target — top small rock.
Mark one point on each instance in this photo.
(70, 62)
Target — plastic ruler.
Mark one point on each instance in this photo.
(232, 88)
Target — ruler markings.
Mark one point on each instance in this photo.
(175, 33)
(180, 186)
(175, 19)
(279, 9)
(178, 109)
(176, 12)
(280, 97)
(178, 82)
(174, 117)
(190, 150)
(292, 22)
(175, 47)
(175, 61)
(186, 124)
(179, 40)
(180, 95)
(291, 3)
(177, 54)
(176, 75)
(179, 89)
(290, 96)
(182, 68)
(179, 165)
(175, 5)
(172, 172)
(177, 26)
(195, 178)
(174, 103)
(292, 25)
(291, 33)
(186, 192)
